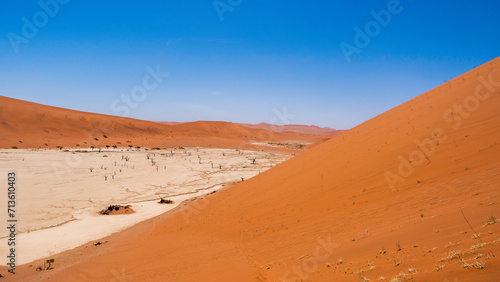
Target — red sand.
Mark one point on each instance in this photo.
(29, 125)
(298, 128)
(333, 201)
(304, 129)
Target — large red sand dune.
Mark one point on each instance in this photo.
(382, 199)
(305, 129)
(30, 125)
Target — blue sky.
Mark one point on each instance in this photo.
(240, 60)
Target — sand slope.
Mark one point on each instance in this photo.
(298, 128)
(29, 125)
(330, 214)
(305, 129)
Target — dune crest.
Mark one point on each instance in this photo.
(383, 199)
(29, 125)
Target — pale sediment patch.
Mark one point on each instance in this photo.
(88, 226)
(59, 193)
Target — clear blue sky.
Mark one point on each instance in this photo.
(240, 64)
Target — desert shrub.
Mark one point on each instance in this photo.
(165, 201)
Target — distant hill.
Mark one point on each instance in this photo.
(304, 129)
(29, 125)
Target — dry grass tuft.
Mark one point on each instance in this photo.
(477, 265)
(439, 267)
(492, 220)
(453, 255)
(477, 246)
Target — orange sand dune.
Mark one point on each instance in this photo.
(326, 132)
(29, 125)
(305, 129)
(353, 207)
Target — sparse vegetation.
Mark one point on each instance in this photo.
(477, 246)
(14, 147)
(439, 267)
(477, 265)
(165, 201)
(112, 208)
(49, 262)
(96, 139)
(492, 220)
(105, 136)
(453, 255)
(59, 147)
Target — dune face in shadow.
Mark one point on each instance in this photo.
(397, 197)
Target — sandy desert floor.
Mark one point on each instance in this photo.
(60, 192)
